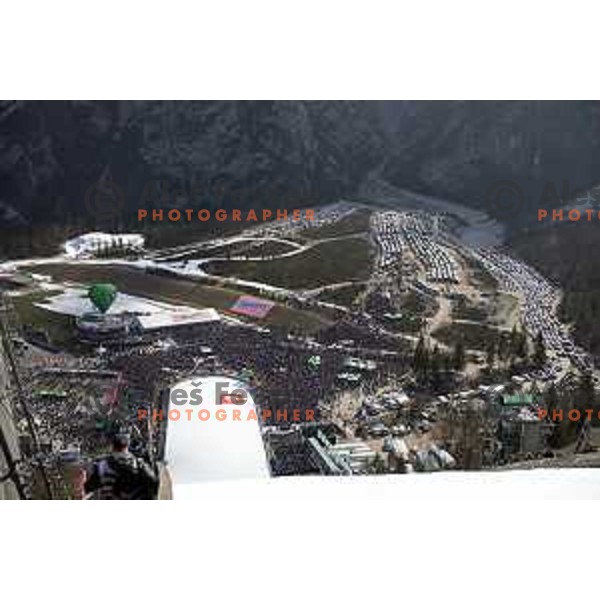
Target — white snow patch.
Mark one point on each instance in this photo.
(90, 243)
(75, 302)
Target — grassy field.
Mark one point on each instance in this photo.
(505, 310)
(480, 277)
(473, 336)
(258, 248)
(176, 291)
(334, 261)
(417, 305)
(59, 328)
(463, 308)
(344, 296)
(356, 222)
(407, 323)
(161, 235)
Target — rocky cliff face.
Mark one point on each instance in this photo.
(460, 150)
(284, 153)
(192, 153)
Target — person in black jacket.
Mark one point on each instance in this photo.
(121, 475)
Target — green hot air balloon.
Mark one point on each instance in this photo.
(314, 361)
(102, 295)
